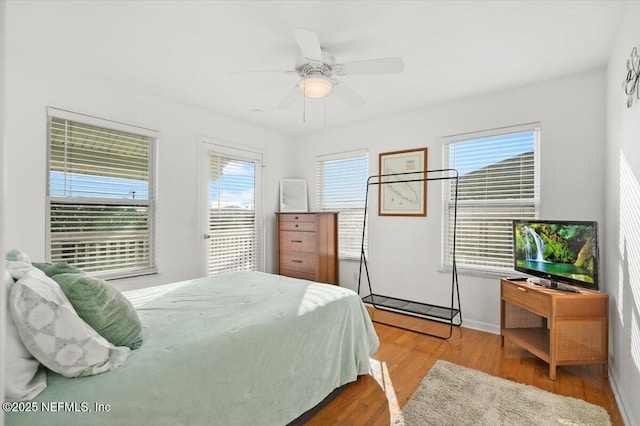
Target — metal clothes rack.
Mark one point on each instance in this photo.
(443, 314)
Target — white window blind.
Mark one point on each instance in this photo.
(232, 215)
(100, 197)
(498, 183)
(341, 184)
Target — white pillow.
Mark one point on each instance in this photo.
(23, 379)
(53, 332)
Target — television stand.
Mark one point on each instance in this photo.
(558, 327)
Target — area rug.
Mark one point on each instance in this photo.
(453, 395)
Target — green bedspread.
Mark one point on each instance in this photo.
(244, 348)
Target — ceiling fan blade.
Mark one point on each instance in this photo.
(289, 98)
(262, 71)
(309, 44)
(370, 66)
(349, 97)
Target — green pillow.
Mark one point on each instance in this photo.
(103, 307)
(51, 269)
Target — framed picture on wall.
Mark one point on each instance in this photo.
(402, 190)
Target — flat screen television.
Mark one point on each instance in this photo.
(557, 251)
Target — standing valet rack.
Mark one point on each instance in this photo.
(443, 314)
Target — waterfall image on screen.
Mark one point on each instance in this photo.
(562, 251)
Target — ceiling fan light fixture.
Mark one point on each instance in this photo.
(315, 87)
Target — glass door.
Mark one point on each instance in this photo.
(233, 212)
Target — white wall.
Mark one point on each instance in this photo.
(622, 243)
(3, 311)
(32, 86)
(404, 253)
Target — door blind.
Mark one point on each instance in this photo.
(100, 198)
(232, 215)
(498, 183)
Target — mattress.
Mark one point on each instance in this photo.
(233, 349)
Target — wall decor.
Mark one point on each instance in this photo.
(293, 195)
(406, 192)
(630, 83)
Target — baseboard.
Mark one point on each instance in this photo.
(621, 399)
(481, 326)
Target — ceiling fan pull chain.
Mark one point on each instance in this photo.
(304, 103)
(325, 112)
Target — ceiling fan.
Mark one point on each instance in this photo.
(317, 70)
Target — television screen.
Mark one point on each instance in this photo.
(560, 251)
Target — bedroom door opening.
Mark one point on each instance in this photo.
(233, 227)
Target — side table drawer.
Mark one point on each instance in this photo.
(529, 300)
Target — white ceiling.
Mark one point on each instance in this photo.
(197, 52)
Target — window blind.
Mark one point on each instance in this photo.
(232, 215)
(498, 183)
(100, 198)
(341, 185)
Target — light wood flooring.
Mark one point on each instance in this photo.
(405, 357)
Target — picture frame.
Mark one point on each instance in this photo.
(402, 198)
(293, 196)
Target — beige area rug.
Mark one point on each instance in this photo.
(453, 395)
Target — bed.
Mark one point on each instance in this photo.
(237, 348)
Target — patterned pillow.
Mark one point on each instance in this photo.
(18, 263)
(53, 332)
(24, 379)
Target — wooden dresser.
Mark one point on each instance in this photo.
(307, 246)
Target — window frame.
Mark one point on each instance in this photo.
(150, 203)
(447, 203)
(320, 159)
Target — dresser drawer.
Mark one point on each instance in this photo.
(298, 261)
(526, 298)
(298, 222)
(298, 241)
(297, 274)
(298, 217)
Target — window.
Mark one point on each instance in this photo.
(341, 185)
(498, 183)
(100, 195)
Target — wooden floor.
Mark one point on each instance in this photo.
(405, 357)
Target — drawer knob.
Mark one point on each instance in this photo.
(524, 290)
(296, 217)
(296, 225)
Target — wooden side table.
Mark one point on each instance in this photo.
(558, 327)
